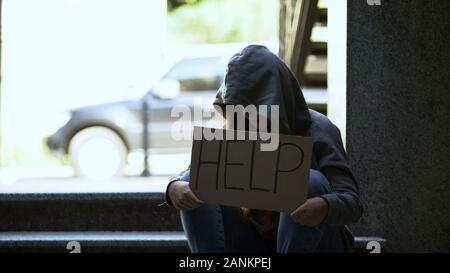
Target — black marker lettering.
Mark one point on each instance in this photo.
(251, 170)
(278, 163)
(231, 164)
(201, 162)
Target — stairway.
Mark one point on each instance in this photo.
(98, 222)
(304, 45)
(315, 70)
(111, 222)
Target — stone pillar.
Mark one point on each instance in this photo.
(398, 119)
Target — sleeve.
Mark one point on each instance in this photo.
(345, 206)
(183, 176)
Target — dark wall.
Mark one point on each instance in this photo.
(398, 118)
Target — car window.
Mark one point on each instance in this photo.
(198, 74)
(201, 84)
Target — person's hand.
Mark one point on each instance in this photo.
(182, 196)
(312, 212)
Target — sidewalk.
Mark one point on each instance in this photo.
(60, 179)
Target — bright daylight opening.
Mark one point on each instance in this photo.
(76, 75)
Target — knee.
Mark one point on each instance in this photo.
(318, 184)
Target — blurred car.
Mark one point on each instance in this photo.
(100, 138)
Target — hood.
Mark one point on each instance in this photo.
(257, 76)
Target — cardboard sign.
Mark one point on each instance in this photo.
(238, 173)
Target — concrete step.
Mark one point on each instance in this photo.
(319, 48)
(87, 212)
(166, 242)
(100, 222)
(93, 242)
(364, 244)
(322, 16)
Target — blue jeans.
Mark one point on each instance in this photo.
(215, 228)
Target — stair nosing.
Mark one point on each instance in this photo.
(82, 196)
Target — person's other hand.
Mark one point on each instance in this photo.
(312, 212)
(182, 196)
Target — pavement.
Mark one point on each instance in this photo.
(61, 179)
(80, 185)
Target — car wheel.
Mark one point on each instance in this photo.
(97, 153)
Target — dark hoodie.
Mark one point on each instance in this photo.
(257, 76)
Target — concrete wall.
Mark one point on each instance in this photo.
(398, 113)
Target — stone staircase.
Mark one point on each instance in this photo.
(111, 222)
(97, 222)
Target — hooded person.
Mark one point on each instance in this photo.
(256, 76)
